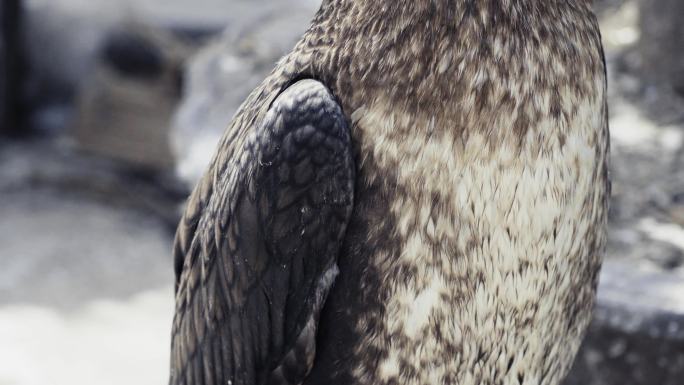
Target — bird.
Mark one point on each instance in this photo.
(416, 194)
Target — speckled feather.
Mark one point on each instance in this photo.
(480, 141)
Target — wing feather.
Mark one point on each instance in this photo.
(255, 253)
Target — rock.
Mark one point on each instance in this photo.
(52, 165)
(62, 42)
(662, 42)
(63, 39)
(221, 76)
(125, 109)
(10, 65)
(637, 335)
(133, 54)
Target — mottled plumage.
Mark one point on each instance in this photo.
(469, 246)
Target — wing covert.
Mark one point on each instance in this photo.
(256, 250)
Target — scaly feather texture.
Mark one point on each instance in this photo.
(480, 141)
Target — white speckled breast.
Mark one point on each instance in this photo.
(502, 242)
(480, 210)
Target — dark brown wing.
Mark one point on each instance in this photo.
(256, 251)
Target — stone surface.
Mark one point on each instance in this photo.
(63, 38)
(56, 166)
(637, 335)
(662, 42)
(124, 108)
(222, 75)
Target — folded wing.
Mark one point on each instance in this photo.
(256, 250)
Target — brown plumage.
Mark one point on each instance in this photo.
(466, 215)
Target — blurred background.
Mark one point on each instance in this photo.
(110, 109)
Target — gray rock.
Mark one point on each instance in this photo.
(125, 108)
(222, 75)
(133, 54)
(637, 336)
(63, 38)
(662, 42)
(62, 42)
(74, 229)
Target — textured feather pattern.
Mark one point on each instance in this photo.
(481, 189)
(256, 250)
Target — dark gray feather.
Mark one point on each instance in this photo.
(256, 251)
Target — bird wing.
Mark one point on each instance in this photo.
(255, 253)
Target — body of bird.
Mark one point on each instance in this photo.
(469, 203)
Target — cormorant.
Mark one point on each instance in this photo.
(417, 194)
